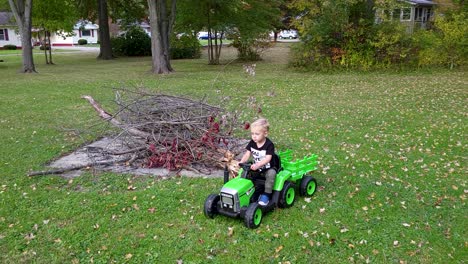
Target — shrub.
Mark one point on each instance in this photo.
(46, 47)
(185, 47)
(82, 42)
(393, 45)
(10, 47)
(251, 49)
(446, 44)
(135, 42)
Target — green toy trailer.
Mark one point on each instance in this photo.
(238, 197)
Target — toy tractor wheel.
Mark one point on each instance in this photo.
(308, 186)
(253, 216)
(210, 208)
(287, 195)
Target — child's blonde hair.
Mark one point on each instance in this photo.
(262, 123)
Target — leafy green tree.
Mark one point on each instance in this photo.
(252, 26)
(245, 21)
(54, 16)
(447, 44)
(213, 16)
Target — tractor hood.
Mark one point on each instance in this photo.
(240, 190)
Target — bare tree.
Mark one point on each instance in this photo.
(22, 10)
(161, 21)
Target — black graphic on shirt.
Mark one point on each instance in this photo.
(259, 154)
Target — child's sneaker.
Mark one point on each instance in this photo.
(263, 200)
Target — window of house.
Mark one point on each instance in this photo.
(2, 34)
(86, 33)
(428, 14)
(418, 14)
(406, 14)
(396, 14)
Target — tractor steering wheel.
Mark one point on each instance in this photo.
(246, 168)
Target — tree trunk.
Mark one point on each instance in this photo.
(161, 27)
(43, 45)
(50, 47)
(214, 51)
(22, 10)
(105, 48)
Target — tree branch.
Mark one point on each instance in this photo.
(106, 116)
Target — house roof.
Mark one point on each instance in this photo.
(86, 25)
(421, 2)
(7, 19)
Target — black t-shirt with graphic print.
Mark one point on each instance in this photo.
(259, 153)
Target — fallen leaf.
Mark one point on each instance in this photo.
(278, 249)
(406, 225)
(29, 236)
(230, 231)
(395, 243)
(128, 256)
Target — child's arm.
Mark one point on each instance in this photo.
(246, 157)
(261, 163)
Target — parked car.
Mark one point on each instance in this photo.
(202, 35)
(288, 34)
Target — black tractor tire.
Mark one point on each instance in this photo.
(253, 216)
(210, 209)
(287, 195)
(308, 186)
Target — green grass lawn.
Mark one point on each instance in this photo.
(392, 176)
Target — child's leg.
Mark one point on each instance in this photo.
(270, 176)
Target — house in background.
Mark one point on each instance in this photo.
(9, 34)
(8, 28)
(82, 30)
(415, 14)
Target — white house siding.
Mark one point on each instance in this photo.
(10, 38)
(57, 39)
(88, 31)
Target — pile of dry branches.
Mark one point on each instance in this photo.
(174, 132)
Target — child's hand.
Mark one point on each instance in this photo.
(254, 167)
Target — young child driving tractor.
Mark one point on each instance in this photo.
(262, 151)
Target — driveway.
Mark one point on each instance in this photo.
(77, 48)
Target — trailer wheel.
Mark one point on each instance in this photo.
(287, 195)
(253, 216)
(210, 209)
(308, 186)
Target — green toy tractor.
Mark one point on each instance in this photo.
(238, 197)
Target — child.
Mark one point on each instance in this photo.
(262, 150)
